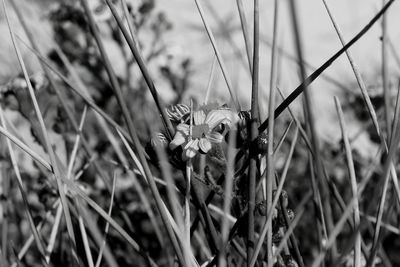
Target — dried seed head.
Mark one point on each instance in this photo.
(176, 113)
(244, 118)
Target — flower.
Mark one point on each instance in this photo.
(203, 132)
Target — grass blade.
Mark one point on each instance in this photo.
(103, 243)
(352, 174)
(245, 31)
(253, 135)
(270, 155)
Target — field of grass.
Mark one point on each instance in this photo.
(128, 138)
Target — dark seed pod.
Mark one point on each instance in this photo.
(281, 218)
(262, 208)
(289, 261)
(290, 214)
(262, 143)
(277, 237)
(284, 198)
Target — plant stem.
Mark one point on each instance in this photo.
(352, 174)
(253, 136)
(270, 155)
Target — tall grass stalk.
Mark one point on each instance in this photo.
(253, 135)
(228, 191)
(384, 70)
(54, 231)
(107, 227)
(245, 31)
(4, 214)
(270, 153)
(130, 24)
(352, 175)
(210, 80)
(56, 171)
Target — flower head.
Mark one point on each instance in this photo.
(203, 132)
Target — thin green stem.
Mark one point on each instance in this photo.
(245, 31)
(352, 174)
(270, 153)
(253, 135)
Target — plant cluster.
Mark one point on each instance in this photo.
(132, 181)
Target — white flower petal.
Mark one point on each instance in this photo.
(184, 128)
(191, 148)
(204, 145)
(215, 137)
(199, 117)
(179, 139)
(216, 117)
